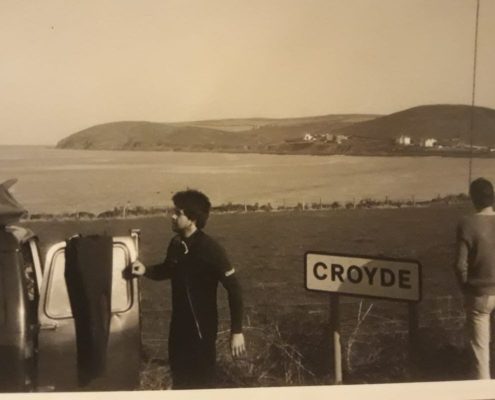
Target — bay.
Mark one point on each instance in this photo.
(54, 180)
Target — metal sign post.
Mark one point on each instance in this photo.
(384, 278)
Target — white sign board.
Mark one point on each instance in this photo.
(374, 277)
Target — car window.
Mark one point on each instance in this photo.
(57, 303)
(29, 273)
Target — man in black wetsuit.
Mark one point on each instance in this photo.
(195, 263)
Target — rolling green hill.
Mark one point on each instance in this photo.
(228, 134)
(368, 134)
(434, 121)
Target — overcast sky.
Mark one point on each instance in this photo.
(68, 65)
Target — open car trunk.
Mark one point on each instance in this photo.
(57, 354)
(38, 349)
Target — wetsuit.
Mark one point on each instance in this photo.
(195, 265)
(88, 274)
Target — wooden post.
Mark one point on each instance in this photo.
(335, 332)
(413, 327)
(413, 338)
(124, 210)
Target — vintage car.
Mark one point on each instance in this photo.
(37, 330)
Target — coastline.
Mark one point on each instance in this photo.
(413, 152)
(307, 151)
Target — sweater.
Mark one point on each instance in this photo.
(475, 266)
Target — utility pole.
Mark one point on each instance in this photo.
(473, 94)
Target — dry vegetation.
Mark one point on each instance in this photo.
(286, 326)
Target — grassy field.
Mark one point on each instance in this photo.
(286, 326)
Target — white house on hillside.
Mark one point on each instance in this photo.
(328, 137)
(430, 142)
(403, 140)
(308, 137)
(341, 138)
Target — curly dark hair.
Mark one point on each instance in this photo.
(195, 204)
(481, 192)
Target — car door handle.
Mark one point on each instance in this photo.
(48, 327)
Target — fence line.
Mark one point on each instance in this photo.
(129, 211)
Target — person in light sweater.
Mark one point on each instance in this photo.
(475, 271)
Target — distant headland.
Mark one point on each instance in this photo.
(445, 130)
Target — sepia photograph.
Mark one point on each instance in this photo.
(281, 195)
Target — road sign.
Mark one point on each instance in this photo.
(387, 278)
